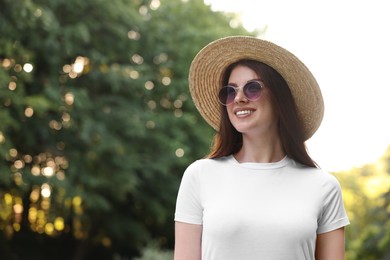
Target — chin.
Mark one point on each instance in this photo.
(243, 128)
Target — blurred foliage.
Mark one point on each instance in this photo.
(97, 124)
(366, 193)
(153, 252)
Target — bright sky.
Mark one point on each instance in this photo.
(346, 45)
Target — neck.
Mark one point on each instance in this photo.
(266, 149)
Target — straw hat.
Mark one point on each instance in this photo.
(207, 68)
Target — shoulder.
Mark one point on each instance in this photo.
(207, 164)
(199, 172)
(321, 173)
(319, 176)
(204, 169)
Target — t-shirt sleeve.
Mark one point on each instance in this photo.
(333, 214)
(188, 203)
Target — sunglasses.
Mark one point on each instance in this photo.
(251, 90)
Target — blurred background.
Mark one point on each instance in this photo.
(97, 127)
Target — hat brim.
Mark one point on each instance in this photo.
(208, 66)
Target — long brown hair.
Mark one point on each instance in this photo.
(228, 140)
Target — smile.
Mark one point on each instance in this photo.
(243, 112)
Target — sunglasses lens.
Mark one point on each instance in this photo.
(252, 90)
(226, 95)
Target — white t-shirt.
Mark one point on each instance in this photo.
(267, 211)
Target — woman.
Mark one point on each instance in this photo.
(258, 195)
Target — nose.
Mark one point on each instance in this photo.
(240, 96)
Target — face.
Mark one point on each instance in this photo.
(251, 117)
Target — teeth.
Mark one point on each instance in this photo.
(243, 112)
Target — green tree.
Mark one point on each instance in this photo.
(97, 124)
(366, 192)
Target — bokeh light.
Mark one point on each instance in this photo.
(28, 67)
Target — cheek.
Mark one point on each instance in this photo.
(229, 110)
(266, 105)
(266, 100)
(265, 95)
(269, 106)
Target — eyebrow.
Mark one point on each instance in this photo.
(234, 84)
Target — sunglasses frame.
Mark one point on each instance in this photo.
(236, 89)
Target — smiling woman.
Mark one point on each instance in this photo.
(258, 194)
(305, 28)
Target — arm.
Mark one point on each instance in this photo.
(330, 245)
(188, 241)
